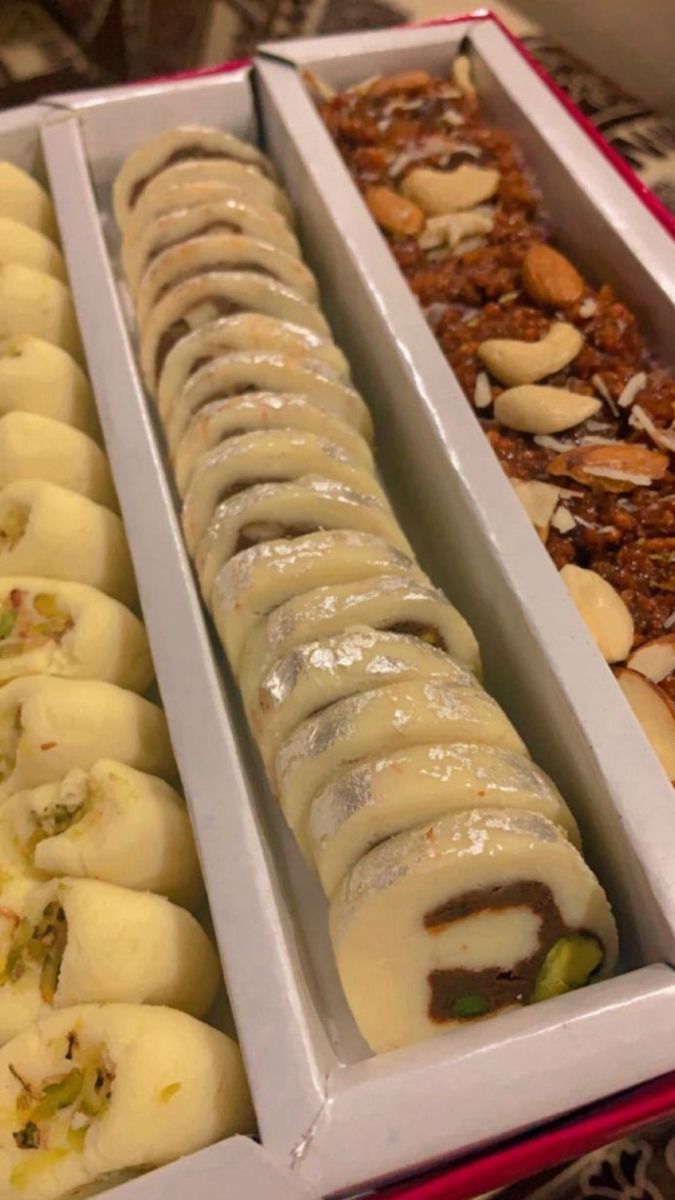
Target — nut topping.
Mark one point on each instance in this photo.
(549, 278)
(405, 81)
(603, 611)
(619, 467)
(453, 228)
(462, 76)
(655, 659)
(655, 712)
(532, 408)
(440, 192)
(514, 362)
(394, 212)
(539, 500)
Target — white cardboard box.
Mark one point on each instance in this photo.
(340, 1117)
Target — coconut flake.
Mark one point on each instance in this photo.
(596, 426)
(433, 147)
(639, 419)
(620, 476)
(635, 384)
(472, 243)
(435, 311)
(363, 86)
(669, 621)
(452, 118)
(602, 389)
(562, 520)
(587, 308)
(482, 392)
(550, 443)
(594, 439)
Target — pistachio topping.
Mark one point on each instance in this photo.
(28, 621)
(569, 964)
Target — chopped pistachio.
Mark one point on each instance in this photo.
(470, 1005)
(568, 965)
(59, 1094)
(7, 621)
(170, 1090)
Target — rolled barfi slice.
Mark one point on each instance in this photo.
(33, 446)
(265, 576)
(221, 420)
(317, 674)
(266, 456)
(259, 371)
(187, 143)
(48, 726)
(390, 793)
(392, 717)
(21, 244)
(52, 627)
(469, 916)
(196, 302)
(224, 215)
(396, 603)
(76, 941)
(95, 1093)
(39, 305)
(23, 199)
(287, 511)
(246, 178)
(49, 530)
(160, 198)
(221, 252)
(242, 331)
(36, 376)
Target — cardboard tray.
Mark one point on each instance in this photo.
(341, 1118)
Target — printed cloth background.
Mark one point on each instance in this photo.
(55, 45)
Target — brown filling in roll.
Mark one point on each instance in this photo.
(425, 633)
(180, 328)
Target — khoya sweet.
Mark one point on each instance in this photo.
(452, 864)
(97, 1093)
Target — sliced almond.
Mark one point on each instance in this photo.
(462, 76)
(513, 362)
(317, 86)
(611, 468)
(562, 520)
(539, 500)
(405, 81)
(655, 712)
(550, 278)
(533, 408)
(604, 613)
(655, 659)
(452, 228)
(439, 192)
(394, 212)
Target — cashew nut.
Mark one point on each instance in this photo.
(514, 362)
(440, 192)
(535, 409)
(452, 228)
(601, 608)
(462, 75)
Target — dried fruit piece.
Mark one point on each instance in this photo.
(615, 468)
(533, 408)
(439, 192)
(539, 500)
(549, 277)
(405, 81)
(452, 228)
(394, 212)
(604, 613)
(514, 362)
(655, 712)
(655, 659)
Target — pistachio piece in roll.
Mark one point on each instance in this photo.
(75, 941)
(108, 822)
(23, 199)
(224, 215)
(38, 377)
(479, 912)
(221, 252)
(37, 304)
(287, 511)
(389, 718)
(390, 793)
(243, 331)
(187, 143)
(203, 299)
(52, 627)
(95, 1093)
(261, 578)
(259, 371)
(397, 603)
(49, 530)
(48, 726)
(21, 244)
(263, 456)
(317, 674)
(221, 420)
(33, 446)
